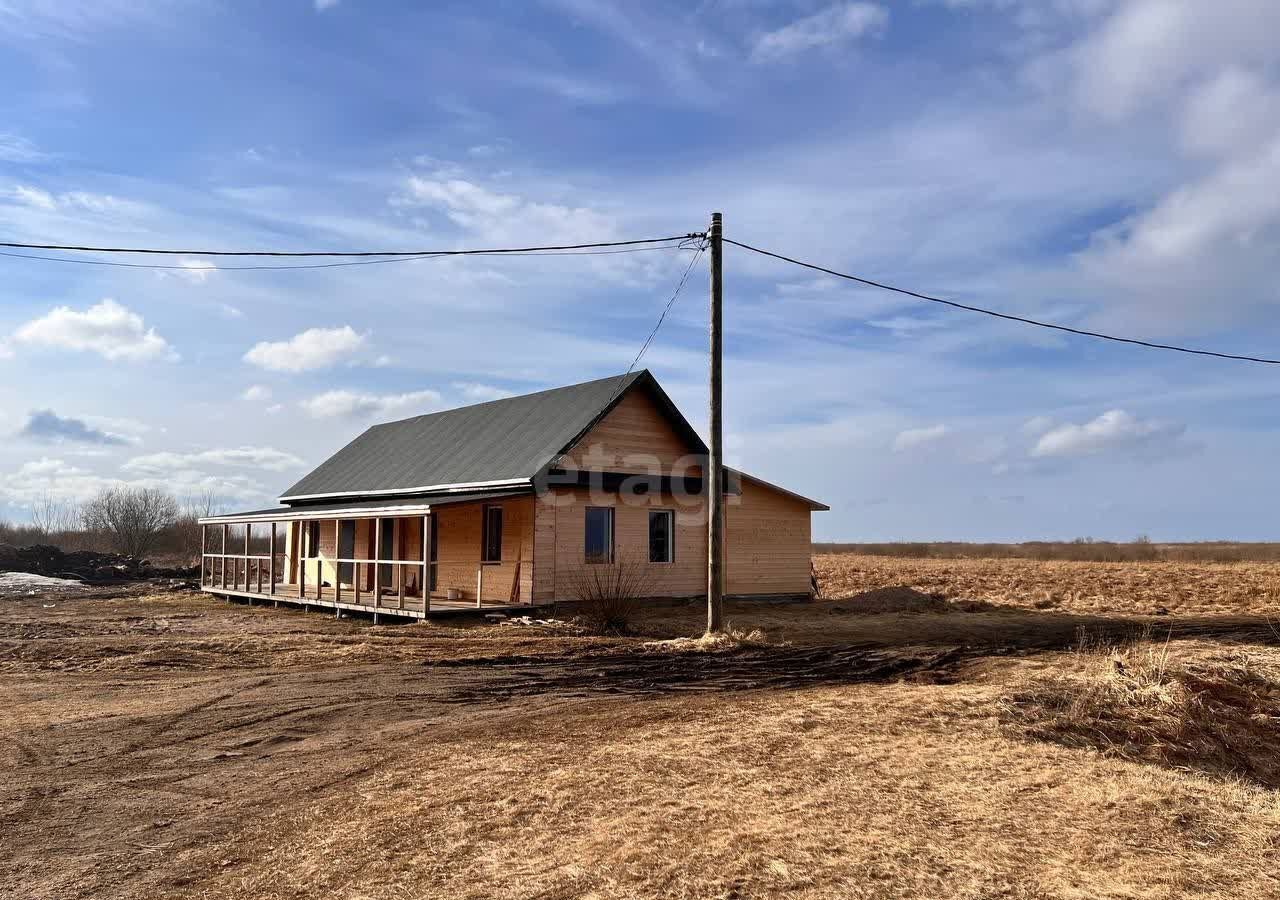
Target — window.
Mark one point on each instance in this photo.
(492, 549)
(599, 534)
(313, 539)
(662, 545)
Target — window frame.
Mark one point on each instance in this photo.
(611, 518)
(670, 515)
(485, 512)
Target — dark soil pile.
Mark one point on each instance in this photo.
(87, 565)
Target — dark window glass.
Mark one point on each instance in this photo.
(661, 541)
(313, 538)
(599, 534)
(492, 534)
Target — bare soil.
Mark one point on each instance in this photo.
(173, 745)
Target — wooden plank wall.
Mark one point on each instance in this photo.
(767, 543)
(685, 576)
(634, 437)
(458, 550)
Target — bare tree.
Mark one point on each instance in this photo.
(132, 518)
(53, 517)
(186, 527)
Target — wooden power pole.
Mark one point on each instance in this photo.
(715, 465)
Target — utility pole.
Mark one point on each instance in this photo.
(715, 465)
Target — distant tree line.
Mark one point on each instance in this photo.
(135, 521)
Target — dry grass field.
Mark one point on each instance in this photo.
(1014, 729)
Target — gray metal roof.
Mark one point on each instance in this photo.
(488, 445)
(355, 509)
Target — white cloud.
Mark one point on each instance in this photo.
(1148, 50)
(107, 328)
(833, 25)
(1037, 425)
(504, 216)
(45, 477)
(352, 404)
(478, 393)
(314, 348)
(236, 457)
(34, 197)
(257, 392)
(18, 149)
(912, 438)
(1113, 431)
(197, 271)
(76, 201)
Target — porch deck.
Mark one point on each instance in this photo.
(391, 605)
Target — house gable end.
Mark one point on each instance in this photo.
(641, 432)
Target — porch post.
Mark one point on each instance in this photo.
(222, 580)
(401, 571)
(377, 567)
(302, 563)
(247, 529)
(426, 564)
(271, 565)
(337, 560)
(204, 546)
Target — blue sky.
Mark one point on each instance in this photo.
(1110, 165)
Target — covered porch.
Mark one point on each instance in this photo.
(407, 558)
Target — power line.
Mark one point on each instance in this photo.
(662, 318)
(337, 265)
(78, 249)
(1000, 315)
(666, 309)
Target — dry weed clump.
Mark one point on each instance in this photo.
(729, 639)
(1218, 714)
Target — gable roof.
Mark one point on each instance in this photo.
(501, 442)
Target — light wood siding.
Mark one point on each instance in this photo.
(685, 576)
(458, 530)
(767, 543)
(544, 551)
(634, 437)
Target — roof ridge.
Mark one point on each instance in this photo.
(564, 387)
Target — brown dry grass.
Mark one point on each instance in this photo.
(1077, 587)
(176, 746)
(1176, 705)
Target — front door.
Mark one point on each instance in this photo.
(346, 550)
(387, 550)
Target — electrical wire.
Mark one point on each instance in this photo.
(78, 249)
(702, 245)
(336, 265)
(999, 315)
(662, 318)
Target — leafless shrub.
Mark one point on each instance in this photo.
(133, 519)
(609, 594)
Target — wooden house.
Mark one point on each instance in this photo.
(502, 504)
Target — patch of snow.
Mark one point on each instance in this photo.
(19, 584)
